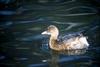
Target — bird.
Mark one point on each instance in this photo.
(68, 42)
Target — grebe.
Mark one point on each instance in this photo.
(71, 43)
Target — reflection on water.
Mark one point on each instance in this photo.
(72, 52)
(57, 57)
(21, 42)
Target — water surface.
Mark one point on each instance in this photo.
(22, 44)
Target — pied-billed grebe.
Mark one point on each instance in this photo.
(70, 43)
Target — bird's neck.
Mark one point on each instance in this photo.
(53, 43)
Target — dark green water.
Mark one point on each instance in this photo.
(22, 44)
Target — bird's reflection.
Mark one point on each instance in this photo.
(55, 56)
(70, 52)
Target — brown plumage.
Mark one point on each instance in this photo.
(74, 42)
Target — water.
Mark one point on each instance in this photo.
(22, 44)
